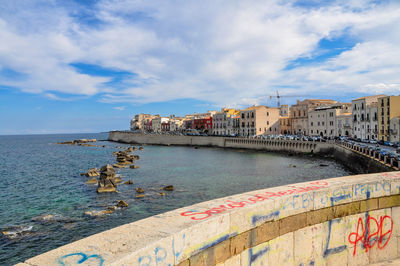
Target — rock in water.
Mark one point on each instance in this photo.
(140, 196)
(162, 193)
(133, 166)
(129, 182)
(44, 218)
(169, 188)
(140, 148)
(122, 204)
(91, 172)
(139, 190)
(107, 181)
(92, 181)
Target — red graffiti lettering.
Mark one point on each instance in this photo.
(253, 200)
(372, 233)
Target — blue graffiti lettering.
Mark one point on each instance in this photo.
(176, 252)
(83, 256)
(257, 218)
(255, 256)
(144, 261)
(329, 251)
(160, 257)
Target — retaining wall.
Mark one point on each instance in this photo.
(351, 220)
(358, 159)
(242, 143)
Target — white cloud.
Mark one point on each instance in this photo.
(119, 108)
(227, 52)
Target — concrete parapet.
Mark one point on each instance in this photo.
(312, 223)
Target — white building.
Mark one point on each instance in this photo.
(395, 129)
(323, 120)
(364, 111)
(156, 123)
(344, 124)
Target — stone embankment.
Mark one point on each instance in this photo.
(359, 160)
(351, 220)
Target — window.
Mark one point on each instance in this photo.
(267, 122)
(323, 123)
(318, 123)
(312, 123)
(242, 115)
(267, 113)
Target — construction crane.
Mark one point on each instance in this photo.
(278, 97)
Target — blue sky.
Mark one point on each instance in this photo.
(89, 66)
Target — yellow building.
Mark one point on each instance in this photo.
(388, 109)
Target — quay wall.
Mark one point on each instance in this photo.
(351, 220)
(358, 160)
(223, 142)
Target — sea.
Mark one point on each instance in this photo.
(40, 178)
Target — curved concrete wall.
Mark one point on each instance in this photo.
(257, 144)
(351, 220)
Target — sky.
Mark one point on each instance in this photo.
(91, 65)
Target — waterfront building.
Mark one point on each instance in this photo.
(299, 114)
(344, 124)
(223, 122)
(138, 122)
(285, 125)
(157, 123)
(284, 110)
(372, 121)
(363, 110)
(259, 120)
(395, 129)
(323, 120)
(204, 124)
(388, 109)
(236, 124)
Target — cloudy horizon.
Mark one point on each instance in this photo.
(95, 65)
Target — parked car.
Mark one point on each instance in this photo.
(372, 141)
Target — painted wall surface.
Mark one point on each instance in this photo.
(243, 222)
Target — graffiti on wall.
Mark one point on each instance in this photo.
(372, 232)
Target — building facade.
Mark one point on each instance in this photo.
(323, 120)
(344, 125)
(395, 129)
(138, 122)
(388, 109)
(363, 110)
(223, 122)
(259, 120)
(299, 114)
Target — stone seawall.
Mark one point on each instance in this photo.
(240, 143)
(351, 220)
(357, 161)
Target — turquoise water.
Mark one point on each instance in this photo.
(38, 177)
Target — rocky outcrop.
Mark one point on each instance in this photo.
(91, 173)
(107, 181)
(77, 141)
(92, 181)
(168, 188)
(122, 204)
